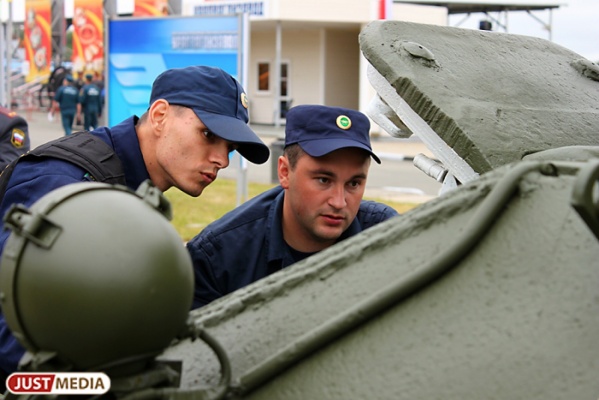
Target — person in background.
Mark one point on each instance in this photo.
(90, 103)
(322, 175)
(99, 82)
(197, 115)
(14, 136)
(65, 101)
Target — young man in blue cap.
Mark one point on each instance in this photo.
(197, 115)
(14, 136)
(322, 176)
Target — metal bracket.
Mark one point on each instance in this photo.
(35, 227)
(155, 198)
(450, 159)
(585, 196)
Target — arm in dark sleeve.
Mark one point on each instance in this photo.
(10, 351)
(10, 152)
(372, 213)
(30, 181)
(14, 137)
(206, 285)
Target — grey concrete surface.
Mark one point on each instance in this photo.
(395, 179)
(495, 97)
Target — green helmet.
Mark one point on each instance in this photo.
(93, 276)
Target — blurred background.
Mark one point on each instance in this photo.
(285, 52)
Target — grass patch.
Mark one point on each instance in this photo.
(191, 215)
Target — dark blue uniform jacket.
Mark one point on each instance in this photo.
(247, 244)
(90, 99)
(31, 179)
(67, 97)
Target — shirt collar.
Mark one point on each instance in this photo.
(126, 146)
(275, 245)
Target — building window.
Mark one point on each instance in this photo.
(263, 77)
(284, 79)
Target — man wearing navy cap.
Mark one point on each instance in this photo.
(90, 103)
(322, 175)
(197, 115)
(65, 101)
(14, 136)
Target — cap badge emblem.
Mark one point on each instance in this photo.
(244, 100)
(343, 122)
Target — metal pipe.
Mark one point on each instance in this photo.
(430, 167)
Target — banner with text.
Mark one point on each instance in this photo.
(135, 59)
(228, 7)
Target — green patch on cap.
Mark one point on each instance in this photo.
(343, 122)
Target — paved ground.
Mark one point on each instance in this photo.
(395, 179)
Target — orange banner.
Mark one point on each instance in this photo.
(38, 38)
(145, 8)
(88, 38)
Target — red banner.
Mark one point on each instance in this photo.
(385, 9)
(38, 38)
(145, 8)
(88, 38)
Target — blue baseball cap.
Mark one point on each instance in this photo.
(320, 130)
(218, 100)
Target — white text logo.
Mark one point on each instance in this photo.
(58, 383)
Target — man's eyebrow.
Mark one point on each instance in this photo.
(322, 171)
(359, 176)
(326, 172)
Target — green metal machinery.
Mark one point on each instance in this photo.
(489, 291)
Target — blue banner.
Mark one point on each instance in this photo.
(139, 49)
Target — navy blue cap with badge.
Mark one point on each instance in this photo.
(218, 100)
(320, 130)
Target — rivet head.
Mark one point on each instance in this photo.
(418, 50)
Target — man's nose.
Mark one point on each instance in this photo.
(337, 198)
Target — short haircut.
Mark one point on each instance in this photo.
(293, 152)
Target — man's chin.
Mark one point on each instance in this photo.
(329, 235)
(195, 191)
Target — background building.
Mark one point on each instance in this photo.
(307, 52)
(300, 52)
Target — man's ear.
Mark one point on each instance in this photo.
(283, 169)
(157, 114)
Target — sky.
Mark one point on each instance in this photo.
(575, 25)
